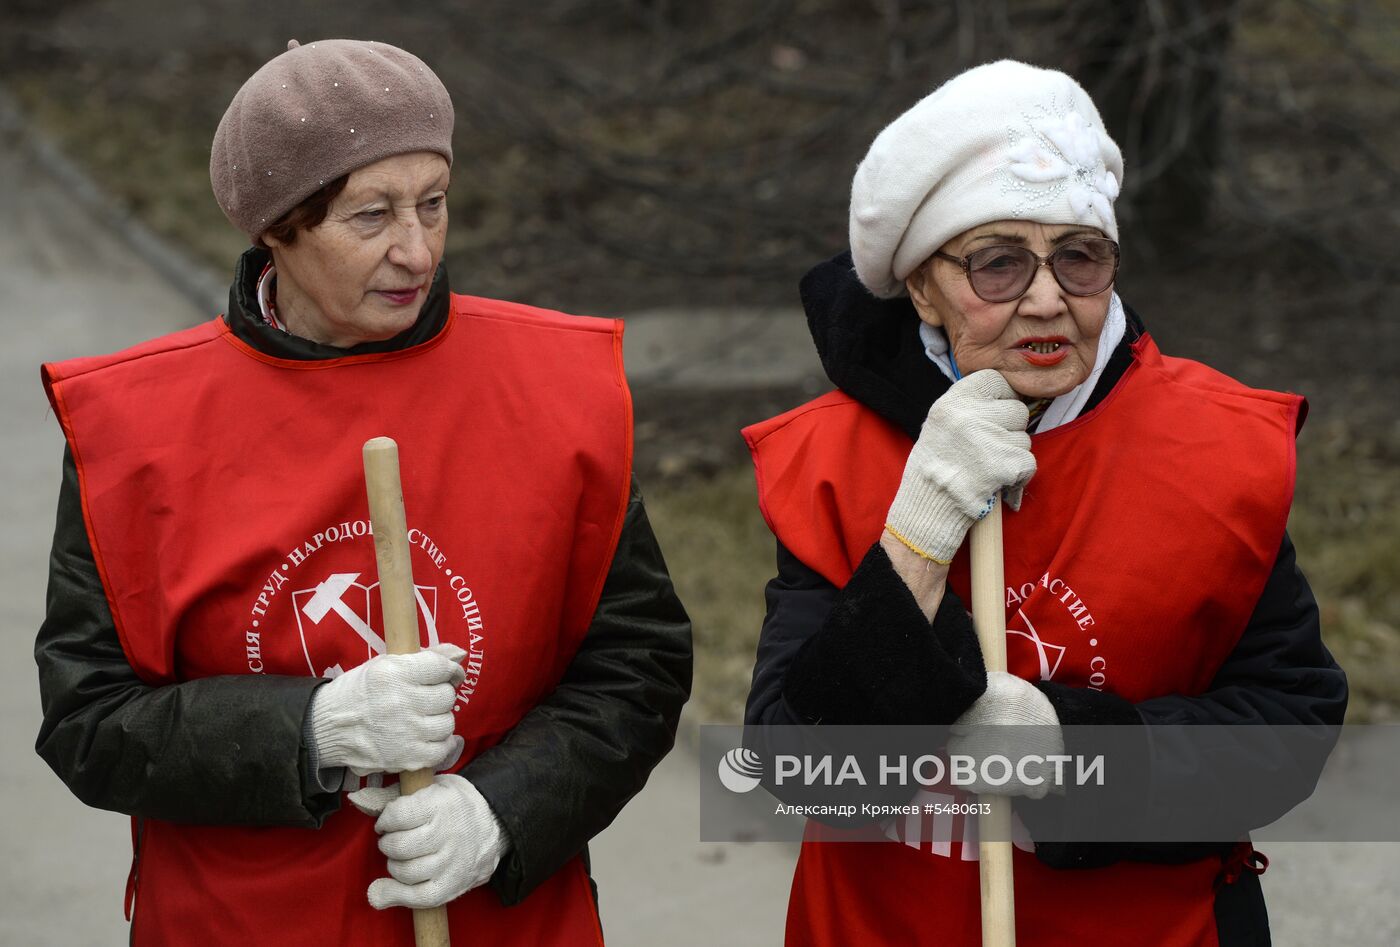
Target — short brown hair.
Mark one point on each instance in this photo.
(306, 215)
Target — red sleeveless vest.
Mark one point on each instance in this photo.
(1133, 565)
(224, 499)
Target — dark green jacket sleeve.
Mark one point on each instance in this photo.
(222, 750)
(565, 771)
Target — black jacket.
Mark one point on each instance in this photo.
(181, 752)
(864, 654)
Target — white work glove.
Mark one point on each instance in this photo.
(390, 714)
(1011, 719)
(973, 443)
(441, 842)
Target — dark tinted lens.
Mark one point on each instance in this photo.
(1085, 267)
(1000, 273)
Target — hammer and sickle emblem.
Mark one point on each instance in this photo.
(328, 597)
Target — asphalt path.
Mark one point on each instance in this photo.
(72, 285)
(67, 288)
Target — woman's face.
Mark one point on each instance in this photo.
(1064, 328)
(361, 275)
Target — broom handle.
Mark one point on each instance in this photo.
(391, 551)
(994, 847)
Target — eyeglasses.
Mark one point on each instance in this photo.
(999, 274)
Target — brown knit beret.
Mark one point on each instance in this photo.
(317, 112)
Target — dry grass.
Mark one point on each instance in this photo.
(720, 554)
(1346, 525)
(149, 159)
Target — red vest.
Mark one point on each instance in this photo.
(224, 498)
(1137, 557)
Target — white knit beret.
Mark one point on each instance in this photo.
(1002, 141)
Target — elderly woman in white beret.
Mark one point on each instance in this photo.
(212, 659)
(980, 351)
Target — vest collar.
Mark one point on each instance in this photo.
(244, 317)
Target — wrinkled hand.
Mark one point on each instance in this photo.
(973, 444)
(1012, 719)
(441, 842)
(392, 713)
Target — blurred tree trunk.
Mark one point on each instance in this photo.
(1157, 71)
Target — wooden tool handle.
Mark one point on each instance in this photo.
(989, 618)
(391, 551)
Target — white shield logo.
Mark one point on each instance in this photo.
(339, 606)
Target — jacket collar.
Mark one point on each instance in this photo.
(871, 350)
(244, 317)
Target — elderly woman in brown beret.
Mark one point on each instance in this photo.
(212, 660)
